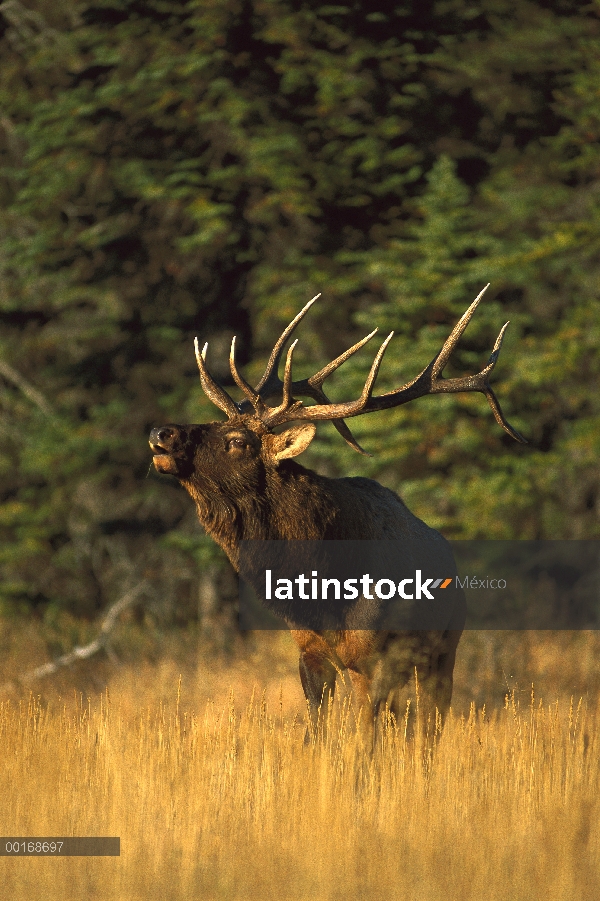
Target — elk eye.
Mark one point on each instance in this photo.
(236, 442)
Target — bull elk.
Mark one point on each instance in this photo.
(246, 485)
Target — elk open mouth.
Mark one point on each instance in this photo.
(163, 461)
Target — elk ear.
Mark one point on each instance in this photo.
(291, 442)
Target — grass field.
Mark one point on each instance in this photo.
(208, 782)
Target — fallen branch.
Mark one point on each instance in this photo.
(11, 375)
(84, 652)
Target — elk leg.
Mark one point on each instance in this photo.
(317, 675)
(438, 686)
(416, 676)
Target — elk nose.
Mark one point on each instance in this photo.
(160, 437)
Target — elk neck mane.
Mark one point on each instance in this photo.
(289, 502)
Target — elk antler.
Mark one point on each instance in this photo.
(429, 381)
(214, 392)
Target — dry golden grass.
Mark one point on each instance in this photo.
(222, 799)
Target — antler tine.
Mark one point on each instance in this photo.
(270, 382)
(318, 378)
(214, 392)
(241, 382)
(368, 388)
(452, 339)
(284, 412)
(500, 418)
(496, 349)
(347, 435)
(287, 375)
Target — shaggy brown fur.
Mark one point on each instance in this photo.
(246, 486)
